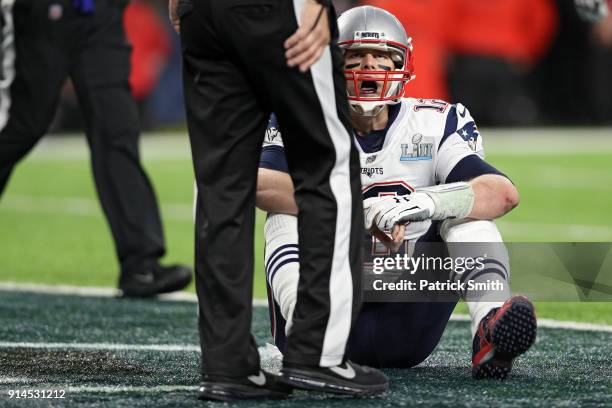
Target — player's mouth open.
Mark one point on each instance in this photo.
(368, 87)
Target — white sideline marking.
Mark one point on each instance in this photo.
(553, 324)
(267, 352)
(13, 380)
(522, 142)
(155, 146)
(80, 206)
(101, 346)
(106, 389)
(91, 291)
(579, 326)
(109, 389)
(563, 232)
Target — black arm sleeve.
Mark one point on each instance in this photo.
(273, 158)
(471, 167)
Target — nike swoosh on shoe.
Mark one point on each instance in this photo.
(348, 372)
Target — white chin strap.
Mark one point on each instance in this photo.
(369, 109)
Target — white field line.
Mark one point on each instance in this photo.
(184, 212)
(123, 389)
(105, 389)
(188, 297)
(101, 389)
(524, 142)
(101, 346)
(563, 232)
(159, 146)
(267, 352)
(80, 206)
(12, 380)
(89, 291)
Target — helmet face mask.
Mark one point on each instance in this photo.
(375, 31)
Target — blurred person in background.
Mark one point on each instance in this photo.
(44, 43)
(152, 48)
(479, 52)
(573, 83)
(599, 67)
(495, 45)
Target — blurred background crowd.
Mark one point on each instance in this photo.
(511, 62)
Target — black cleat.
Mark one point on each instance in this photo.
(261, 386)
(155, 280)
(347, 379)
(503, 334)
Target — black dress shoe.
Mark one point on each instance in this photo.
(348, 379)
(155, 280)
(261, 386)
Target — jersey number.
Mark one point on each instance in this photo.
(435, 104)
(393, 188)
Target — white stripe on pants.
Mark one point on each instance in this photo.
(340, 282)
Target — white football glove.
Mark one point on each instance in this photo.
(402, 209)
(373, 206)
(454, 200)
(385, 211)
(592, 10)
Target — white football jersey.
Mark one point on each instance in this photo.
(421, 147)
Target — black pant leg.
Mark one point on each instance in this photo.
(100, 76)
(312, 109)
(226, 128)
(35, 66)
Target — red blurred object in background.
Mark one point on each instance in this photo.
(426, 23)
(518, 31)
(151, 46)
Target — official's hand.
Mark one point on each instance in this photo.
(174, 20)
(307, 44)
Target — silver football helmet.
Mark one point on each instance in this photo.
(373, 28)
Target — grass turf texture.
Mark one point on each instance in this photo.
(53, 232)
(564, 368)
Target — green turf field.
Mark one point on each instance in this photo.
(52, 232)
(138, 353)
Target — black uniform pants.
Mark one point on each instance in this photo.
(51, 42)
(235, 74)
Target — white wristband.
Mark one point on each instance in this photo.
(453, 200)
